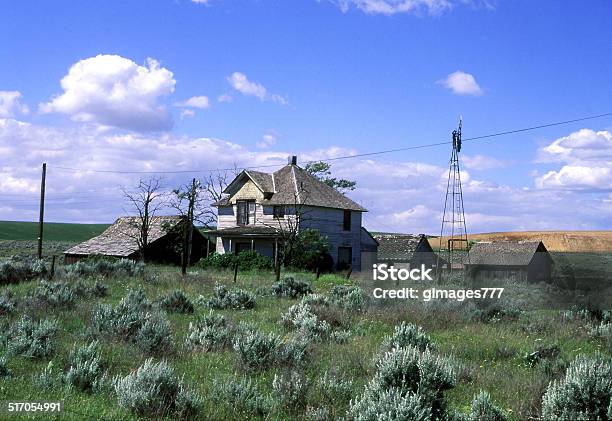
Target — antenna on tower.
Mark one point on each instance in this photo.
(453, 218)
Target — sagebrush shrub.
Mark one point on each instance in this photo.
(340, 336)
(294, 350)
(405, 335)
(237, 298)
(98, 289)
(316, 300)
(408, 372)
(60, 295)
(154, 336)
(301, 317)
(154, 390)
(7, 303)
(410, 369)
(290, 389)
(176, 302)
(134, 320)
(31, 338)
(601, 331)
(389, 405)
(13, 272)
(291, 288)
(348, 297)
(584, 393)
(105, 267)
(483, 409)
(135, 300)
(333, 389)
(244, 397)
(48, 378)
(4, 370)
(318, 413)
(209, 333)
(86, 371)
(257, 351)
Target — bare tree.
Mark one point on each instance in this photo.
(191, 202)
(288, 228)
(213, 187)
(146, 201)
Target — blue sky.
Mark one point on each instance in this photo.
(317, 79)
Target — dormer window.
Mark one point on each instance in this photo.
(245, 212)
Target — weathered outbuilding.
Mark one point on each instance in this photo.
(405, 250)
(514, 260)
(165, 239)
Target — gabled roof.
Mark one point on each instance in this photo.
(120, 238)
(262, 180)
(401, 247)
(505, 253)
(292, 185)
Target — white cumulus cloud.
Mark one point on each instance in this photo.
(587, 158)
(10, 104)
(111, 90)
(267, 140)
(194, 102)
(242, 84)
(392, 7)
(461, 83)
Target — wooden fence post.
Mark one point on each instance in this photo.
(235, 271)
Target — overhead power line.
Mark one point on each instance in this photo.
(338, 158)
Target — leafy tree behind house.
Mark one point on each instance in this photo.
(322, 171)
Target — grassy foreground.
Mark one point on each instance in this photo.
(490, 354)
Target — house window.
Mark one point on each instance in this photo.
(245, 213)
(279, 211)
(345, 257)
(346, 223)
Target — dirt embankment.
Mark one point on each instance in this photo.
(558, 241)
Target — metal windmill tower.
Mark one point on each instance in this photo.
(454, 231)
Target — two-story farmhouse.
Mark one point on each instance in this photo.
(260, 209)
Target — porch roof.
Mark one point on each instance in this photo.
(247, 231)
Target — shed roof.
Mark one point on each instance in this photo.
(400, 247)
(292, 185)
(120, 238)
(505, 253)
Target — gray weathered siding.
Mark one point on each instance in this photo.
(329, 222)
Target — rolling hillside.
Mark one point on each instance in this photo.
(557, 241)
(54, 231)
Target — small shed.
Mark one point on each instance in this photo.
(165, 240)
(514, 260)
(405, 250)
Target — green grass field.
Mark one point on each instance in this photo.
(488, 355)
(53, 231)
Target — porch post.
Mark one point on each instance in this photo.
(230, 245)
(252, 244)
(275, 251)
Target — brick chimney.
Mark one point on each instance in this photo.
(292, 160)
